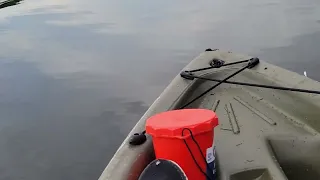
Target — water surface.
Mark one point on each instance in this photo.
(76, 75)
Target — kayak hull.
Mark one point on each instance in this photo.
(260, 131)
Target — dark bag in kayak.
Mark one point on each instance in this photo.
(160, 169)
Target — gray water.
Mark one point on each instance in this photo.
(76, 75)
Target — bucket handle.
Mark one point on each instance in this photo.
(194, 159)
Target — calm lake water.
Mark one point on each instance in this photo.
(76, 75)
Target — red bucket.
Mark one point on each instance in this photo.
(171, 133)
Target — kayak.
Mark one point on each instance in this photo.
(268, 119)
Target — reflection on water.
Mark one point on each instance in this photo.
(301, 55)
(76, 75)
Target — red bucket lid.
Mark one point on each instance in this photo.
(171, 123)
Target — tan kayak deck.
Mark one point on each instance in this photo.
(263, 134)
